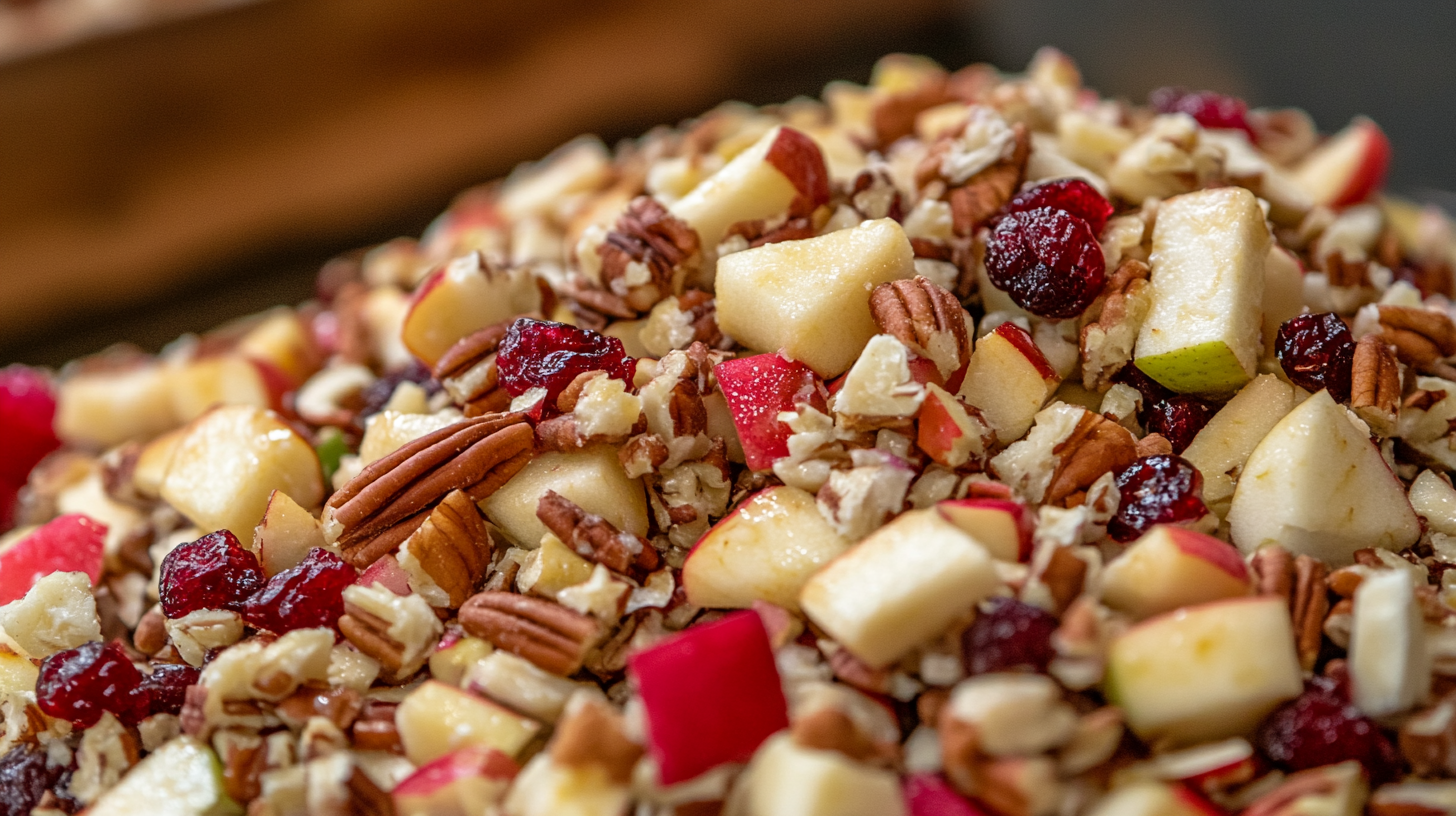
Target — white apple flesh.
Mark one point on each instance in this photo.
(786, 779)
(1008, 380)
(1004, 527)
(181, 778)
(1221, 448)
(593, 478)
(1171, 567)
(436, 719)
(1347, 167)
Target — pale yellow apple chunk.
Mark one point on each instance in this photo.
(765, 550)
(1315, 485)
(788, 780)
(1202, 333)
(285, 535)
(1007, 386)
(899, 587)
(228, 379)
(1221, 448)
(747, 188)
(230, 460)
(436, 719)
(105, 408)
(181, 778)
(593, 478)
(810, 298)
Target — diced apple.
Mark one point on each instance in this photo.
(388, 431)
(17, 673)
(464, 295)
(1347, 168)
(809, 299)
(110, 405)
(1002, 526)
(230, 461)
(786, 779)
(553, 567)
(759, 388)
(899, 587)
(27, 415)
(948, 432)
(285, 535)
(1009, 380)
(1202, 332)
(1170, 567)
(1283, 291)
(593, 478)
(71, 543)
(1154, 799)
(711, 695)
(457, 784)
(222, 379)
(549, 788)
(1434, 499)
(453, 661)
(1221, 448)
(1390, 667)
(1315, 485)
(764, 550)
(181, 778)
(282, 340)
(1205, 672)
(784, 170)
(929, 794)
(387, 573)
(152, 463)
(437, 719)
(1205, 767)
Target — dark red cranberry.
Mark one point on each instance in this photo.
(1321, 727)
(542, 354)
(1072, 195)
(25, 776)
(1008, 635)
(304, 596)
(1209, 109)
(1160, 489)
(1151, 390)
(213, 572)
(1317, 351)
(1048, 261)
(1179, 419)
(166, 686)
(79, 684)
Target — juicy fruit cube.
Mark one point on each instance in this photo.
(1231, 435)
(764, 550)
(17, 673)
(71, 543)
(459, 298)
(947, 431)
(712, 695)
(1202, 333)
(899, 587)
(286, 534)
(1002, 526)
(57, 613)
(786, 779)
(1171, 567)
(593, 478)
(213, 572)
(109, 406)
(181, 778)
(809, 299)
(455, 784)
(1348, 167)
(1009, 380)
(1205, 672)
(27, 409)
(1390, 667)
(436, 719)
(757, 390)
(542, 354)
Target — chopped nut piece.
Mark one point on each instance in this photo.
(593, 735)
(595, 538)
(926, 318)
(452, 549)
(1375, 384)
(647, 255)
(1421, 337)
(398, 631)
(1107, 341)
(469, 373)
(548, 634)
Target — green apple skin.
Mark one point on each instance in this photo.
(182, 778)
(1207, 368)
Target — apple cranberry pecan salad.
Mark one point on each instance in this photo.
(961, 444)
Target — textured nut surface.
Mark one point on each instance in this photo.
(1375, 384)
(1107, 342)
(453, 547)
(592, 734)
(1096, 446)
(927, 318)
(594, 538)
(469, 373)
(1421, 337)
(548, 634)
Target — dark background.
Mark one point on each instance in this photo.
(162, 180)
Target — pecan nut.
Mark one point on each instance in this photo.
(647, 255)
(546, 633)
(1301, 581)
(595, 538)
(1421, 337)
(397, 631)
(987, 191)
(1375, 384)
(469, 373)
(1096, 446)
(453, 546)
(830, 729)
(594, 735)
(1107, 342)
(927, 318)
(1428, 740)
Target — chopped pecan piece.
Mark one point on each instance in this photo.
(1301, 581)
(1375, 384)
(830, 729)
(1096, 446)
(595, 538)
(546, 633)
(987, 191)
(453, 546)
(378, 509)
(1421, 337)
(926, 318)
(645, 257)
(771, 231)
(1107, 342)
(1428, 740)
(469, 373)
(397, 631)
(593, 734)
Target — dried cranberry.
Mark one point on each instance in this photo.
(1072, 195)
(542, 354)
(1160, 489)
(308, 595)
(213, 572)
(25, 776)
(166, 686)
(1179, 419)
(1317, 351)
(1152, 391)
(1321, 727)
(1209, 109)
(1048, 261)
(1006, 635)
(80, 684)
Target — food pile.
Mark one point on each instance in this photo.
(960, 444)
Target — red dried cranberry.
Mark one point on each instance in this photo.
(1317, 351)
(1160, 489)
(213, 572)
(166, 686)
(1321, 727)
(1179, 419)
(80, 684)
(25, 776)
(542, 354)
(302, 597)
(1152, 391)
(1007, 635)
(1209, 109)
(1072, 195)
(1048, 261)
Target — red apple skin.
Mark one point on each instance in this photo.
(7, 504)
(1222, 555)
(936, 431)
(1195, 802)
(929, 794)
(388, 573)
(70, 543)
(27, 411)
(1025, 525)
(800, 160)
(924, 371)
(757, 389)
(712, 695)
(1369, 176)
(1018, 337)
(275, 382)
(462, 764)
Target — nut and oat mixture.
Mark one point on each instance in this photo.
(964, 443)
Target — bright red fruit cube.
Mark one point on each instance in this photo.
(27, 408)
(929, 794)
(712, 696)
(757, 389)
(71, 543)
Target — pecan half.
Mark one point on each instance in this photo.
(1375, 384)
(1301, 581)
(546, 633)
(469, 373)
(595, 538)
(453, 546)
(1096, 446)
(645, 257)
(926, 318)
(378, 509)
(1421, 337)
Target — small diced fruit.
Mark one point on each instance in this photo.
(181, 778)
(387, 573)
(71, 543)
(1390, 668)
(712, 695)
(1002, 526)
(388, 431)
(27, 414)
(464, 295)
(198, 384)
(787, 779)
(1202, 334)
(948, 431)
(282, 341)
(1171, 567)
(1008, 379)
(1224, 444)
(111, 405)
(899, 587)
(58, 613)
(1348, 167)
(1434, 499)
(152, 463)
(436, 719)
(552, 567)
(457, 784)
(759, 388)
(17, 672)
(809, 299)
(231, 460)
(549, 788)
(1154, 799)
(450, 663)
(593, 478)
(1205, 672)
(763, 551)
(285, 535)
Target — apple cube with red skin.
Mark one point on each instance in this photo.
(1004, 527)
(1154, 799)
(1348, 167)
(27, 411)
(71, 543)
(947, 430)
(929, 794)
(712, 695)
(758, 389)
(457, 299)
(1170, 567)
(387, 573)
(1009, 380)
(456, 784)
